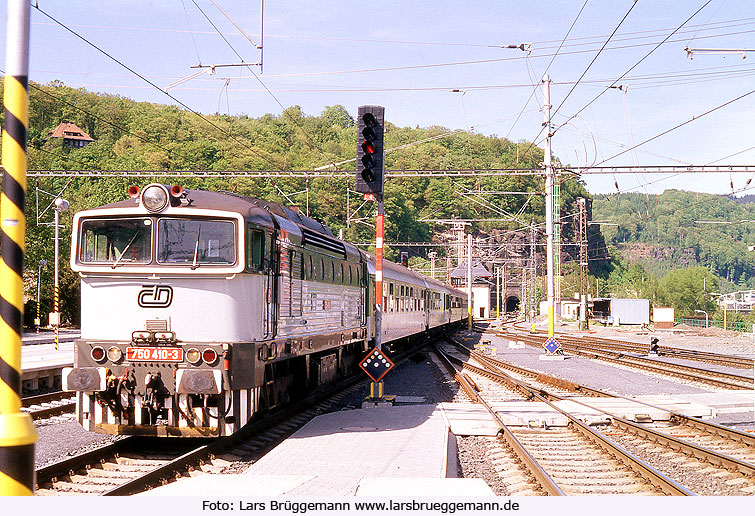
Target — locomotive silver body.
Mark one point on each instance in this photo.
(201, 309)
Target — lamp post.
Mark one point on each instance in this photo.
(61, 205)
(37, 321)
(706, 316)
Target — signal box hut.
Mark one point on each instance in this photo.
(621, 311)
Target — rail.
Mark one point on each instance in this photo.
(536, 470)
(650, 474)
(714, 457)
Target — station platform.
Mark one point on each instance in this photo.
(48, 337)
(379, 451)
(42, 364)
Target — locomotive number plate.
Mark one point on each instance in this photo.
(155, 354)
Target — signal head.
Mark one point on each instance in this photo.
(368, 147)
(370, 128)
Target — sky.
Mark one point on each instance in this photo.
(410, 56)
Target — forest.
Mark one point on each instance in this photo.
(141, 136)
(681, 248)
(657, 250)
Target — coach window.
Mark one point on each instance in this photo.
(351, 274)
(332, 271)
(256, 249)
(322, 269)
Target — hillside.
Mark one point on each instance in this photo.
(132, 135)
(669, 231)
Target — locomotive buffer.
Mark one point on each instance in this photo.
(376, 365)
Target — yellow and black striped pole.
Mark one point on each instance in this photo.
(17, 433)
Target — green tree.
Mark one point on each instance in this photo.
(687, 290)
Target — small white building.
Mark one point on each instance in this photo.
(569, 309)
(481, 284)
(663, 317)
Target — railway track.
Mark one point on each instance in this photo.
(687, 354)
(606, 343)
(45, 406)
(135, 464)
(717, 379)
(708, 458)
(573, 460)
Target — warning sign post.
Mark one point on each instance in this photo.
(376, 364)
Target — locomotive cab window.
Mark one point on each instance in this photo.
(195, 242)
(116, 241)
(256, 247)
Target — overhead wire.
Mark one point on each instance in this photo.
(194, 41)
(634, 3)
(477, 61)
(656, 47)
(311, 140)
(693, 119)
(62, 100)
(595, 58)
(563, 40)
(94, 115)
(145, 79)
(632, 35)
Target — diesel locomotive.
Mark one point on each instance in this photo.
(201, 310)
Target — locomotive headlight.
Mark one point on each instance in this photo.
(114, 354)
(193, 356)
(155, 198)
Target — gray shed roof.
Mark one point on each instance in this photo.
(478, 271)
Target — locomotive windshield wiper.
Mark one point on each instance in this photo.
(194, 263)
(133, 238)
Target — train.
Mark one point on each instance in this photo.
(203, 310)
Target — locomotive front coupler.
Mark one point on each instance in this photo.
(155, 394)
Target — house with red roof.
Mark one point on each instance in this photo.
(71, 134)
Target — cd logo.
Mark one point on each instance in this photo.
(155, 296)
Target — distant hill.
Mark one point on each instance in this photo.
(744, 199)
(682, 229)
(129, 135)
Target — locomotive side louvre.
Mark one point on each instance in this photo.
(201, 310)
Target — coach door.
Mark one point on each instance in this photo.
(426, 307)
(271, 306)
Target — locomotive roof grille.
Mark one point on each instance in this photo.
(314, 239)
